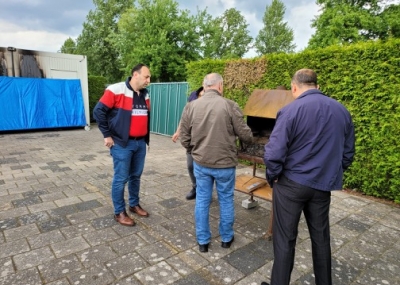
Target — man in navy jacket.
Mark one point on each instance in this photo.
(311, 145)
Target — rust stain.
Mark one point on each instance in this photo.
(266, 103)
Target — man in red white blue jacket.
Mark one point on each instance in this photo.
(123, 117)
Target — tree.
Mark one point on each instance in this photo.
(95, 41)
(226, 36)
(390, 22)
(276, 36)
(158, 34)
(346, 22)
(69, 46)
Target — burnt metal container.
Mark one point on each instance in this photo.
(261, 110)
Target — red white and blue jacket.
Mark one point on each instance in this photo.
(113, 113)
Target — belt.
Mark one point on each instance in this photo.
(136, 138)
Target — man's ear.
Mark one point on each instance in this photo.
(293, 87)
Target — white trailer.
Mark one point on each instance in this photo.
(16, 62)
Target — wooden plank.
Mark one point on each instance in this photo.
(264, 193)
(244, 184)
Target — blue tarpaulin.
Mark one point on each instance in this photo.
(36, 103)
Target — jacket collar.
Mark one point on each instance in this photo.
(310, 92)
(212, 92)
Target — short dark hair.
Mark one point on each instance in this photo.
(305, 77)
(137, 67)
(199, 90)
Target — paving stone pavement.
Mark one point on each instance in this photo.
(57, 227)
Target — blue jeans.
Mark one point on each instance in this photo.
(128, 167)
(225, 183)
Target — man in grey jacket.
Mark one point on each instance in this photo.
(209, 128)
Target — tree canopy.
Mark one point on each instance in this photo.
(227, 36)
(118, 34)
(69, 46)
(95, 40)
(159, 35)
(345, 22)
(276, 35)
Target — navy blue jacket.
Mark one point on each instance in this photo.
(193, 96)
(312, 142)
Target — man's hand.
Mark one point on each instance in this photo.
(271, 180)
(175, 136)
(108, 142)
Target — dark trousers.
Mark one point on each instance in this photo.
(189, 163)
(290, 199)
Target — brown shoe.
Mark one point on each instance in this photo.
(124, 219)
(138, 210)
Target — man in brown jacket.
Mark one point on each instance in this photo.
(208, 130)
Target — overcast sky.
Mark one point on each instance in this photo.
(44, 25)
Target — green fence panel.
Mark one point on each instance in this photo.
(167, 103)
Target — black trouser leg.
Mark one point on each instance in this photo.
(289, 200)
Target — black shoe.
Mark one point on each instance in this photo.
(264, 283)
(191, 195)
(203, 247)
(228, 243)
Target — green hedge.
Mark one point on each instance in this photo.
(366, 79)
(96, 84)
(200, 68)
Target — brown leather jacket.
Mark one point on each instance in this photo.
(209, 127)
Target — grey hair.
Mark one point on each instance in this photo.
(212, 79)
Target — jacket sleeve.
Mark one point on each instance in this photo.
(185, 128)
(241, 129)
(101, 111)
(349, 147)
(277, 147)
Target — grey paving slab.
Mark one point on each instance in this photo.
(224, 272)
(29, 276)
(33, 258)
(128, 244)
(127, 264)
(96, 275)
(21, 232)
(102, 236)
(63, 281)
(160, 273)
(156, 252)
(96, 255)
(12, 248)
(34, 217)
(77, 230)
(57, 226)
(69, 246)
(6, 266)
(43, 239)
(187, 262)
(59, 268)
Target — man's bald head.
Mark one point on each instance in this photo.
(213, 81)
